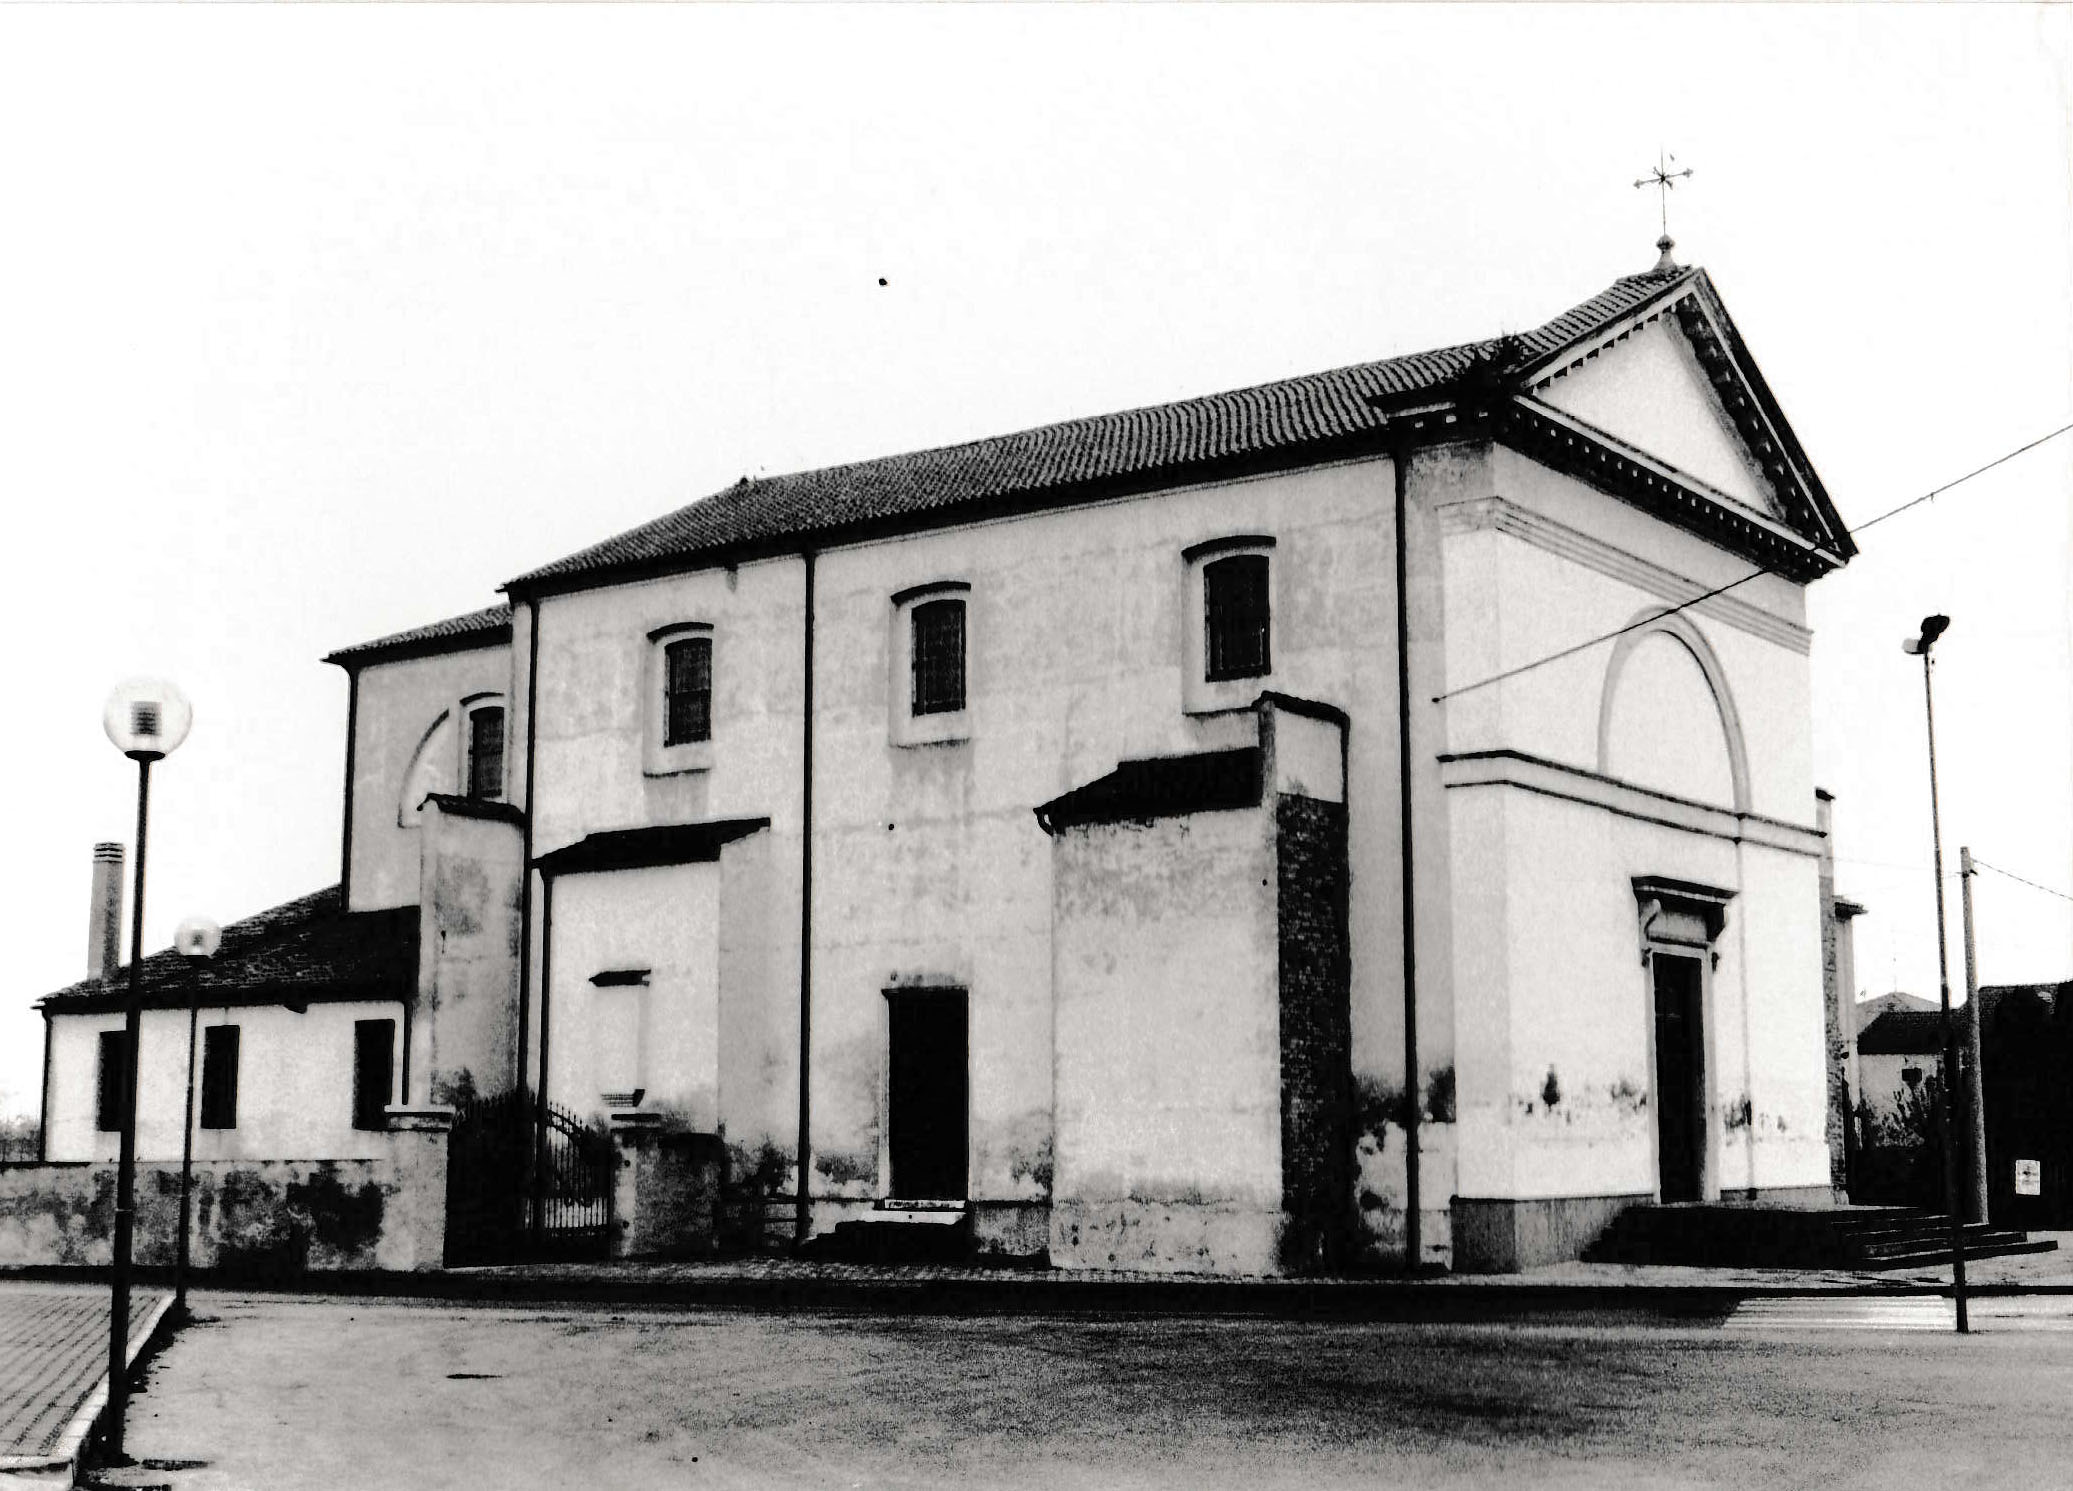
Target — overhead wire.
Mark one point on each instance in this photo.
(1685, 605)
(1980, 864)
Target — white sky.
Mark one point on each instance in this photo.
(319, 323)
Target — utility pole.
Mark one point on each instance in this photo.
(1976, 1088)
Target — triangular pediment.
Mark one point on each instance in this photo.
(1669, 382)
(1649, 389)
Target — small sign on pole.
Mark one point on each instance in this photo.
(2029, 1177)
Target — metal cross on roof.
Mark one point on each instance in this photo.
(1664, 180)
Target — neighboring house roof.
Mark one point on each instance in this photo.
(1161, 787)
(1869, 1010)
(489, 627)
(1310, 417)
(306, 951)
(2059, 990)
(1903, 1033)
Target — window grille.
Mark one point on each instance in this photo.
(113, 1074)
(220, 1077)
(1234, 593)
(374, 1048)
(939, 656)
(486, 754)
(687, 691)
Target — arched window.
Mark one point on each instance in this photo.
(930, 686)
(1237, 619)
(1228, 623)
(677, 714)
(486, 752)
(687, 690)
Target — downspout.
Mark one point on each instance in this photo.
(1413, 1249)
(345, 852)
(525, 865)
(546, 1029)
(43, 1107)
(802, 1220)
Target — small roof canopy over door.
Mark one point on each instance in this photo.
(1679, 912)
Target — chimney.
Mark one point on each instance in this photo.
(104, 916)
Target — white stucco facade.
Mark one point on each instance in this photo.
(294, 1084)
(649, 919)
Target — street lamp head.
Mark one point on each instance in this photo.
(197, 938)
(1932, 628)
(147, 718)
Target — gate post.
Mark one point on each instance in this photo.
(416, 1239)
(666, 1191)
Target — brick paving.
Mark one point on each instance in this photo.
(53, 1355)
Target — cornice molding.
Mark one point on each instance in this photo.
(1694, 306)
(1528, 773)
(1508, 517)
(1565, 443)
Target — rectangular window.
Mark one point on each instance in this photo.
(486, 754)
(1234, 594)
(687, 691)
(220, 1077)
(374, 1048)
(113, 1073)
(939, 656)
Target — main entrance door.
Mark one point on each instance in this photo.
(1680, 1070)
(926, 1099)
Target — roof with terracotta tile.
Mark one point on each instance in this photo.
(926, 485)
(485, 628)
(307, 950)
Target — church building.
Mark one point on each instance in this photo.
(1171, 840)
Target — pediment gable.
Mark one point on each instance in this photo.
(1671, 382)
(1649, 389)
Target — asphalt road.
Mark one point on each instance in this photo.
(286, 1392)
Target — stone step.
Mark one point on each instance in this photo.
(1929, 1257)
(1756, 1236)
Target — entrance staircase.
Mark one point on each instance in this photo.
(899, 1232)
(1755, 1235)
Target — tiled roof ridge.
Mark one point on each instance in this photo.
(241, 938)
(468, 623)
(1258, 417)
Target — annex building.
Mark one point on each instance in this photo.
(1126, 841)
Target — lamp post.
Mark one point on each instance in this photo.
(1920, 645)
(196, 940)
(146, 720)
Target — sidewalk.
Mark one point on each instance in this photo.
(785, 1283)
(792, 1284)
(54, 1373)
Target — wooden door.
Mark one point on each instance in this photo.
(926, 1094)
(1680, 1076)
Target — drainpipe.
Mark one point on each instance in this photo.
(345, 838)
(546, 1028)
(525, 858)
(802, 1220)
(1413, 1245)
(43, 1107)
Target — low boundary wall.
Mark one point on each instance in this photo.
(253, 1217)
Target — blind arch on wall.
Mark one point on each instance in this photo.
(1653, 625)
